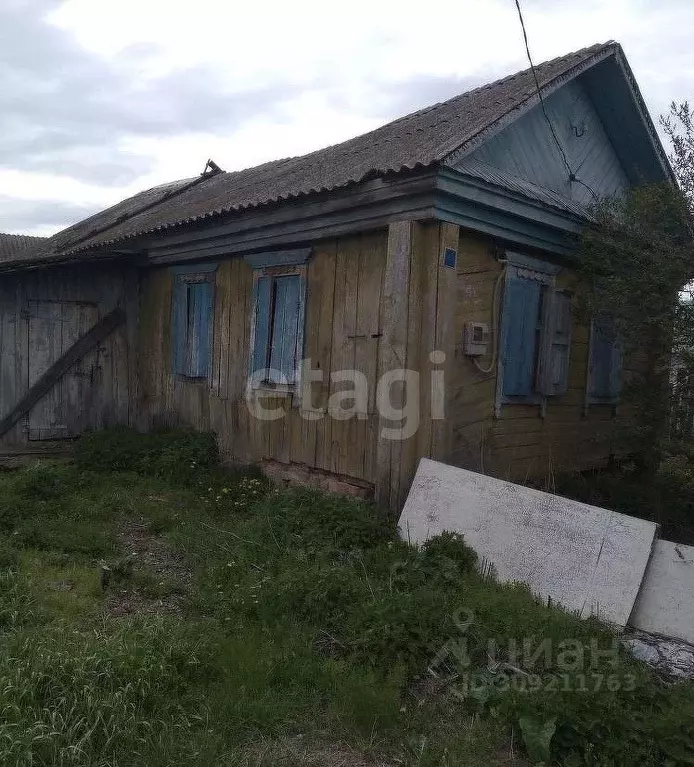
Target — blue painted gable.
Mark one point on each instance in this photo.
(527, 150)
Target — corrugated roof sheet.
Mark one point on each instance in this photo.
(491, 175)
(12, 245)
(421, 139)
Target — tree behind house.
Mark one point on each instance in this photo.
(638, 259)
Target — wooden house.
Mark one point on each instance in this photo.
(440, 244)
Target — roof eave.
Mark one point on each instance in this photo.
(356, 207)
(506, 215)
(658, 148)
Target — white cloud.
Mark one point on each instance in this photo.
(327, 67)
(41, 186)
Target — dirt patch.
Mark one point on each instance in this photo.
(158, 578)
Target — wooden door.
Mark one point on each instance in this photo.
(53, 327)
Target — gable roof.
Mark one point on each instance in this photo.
(13, 244)
(422, 139)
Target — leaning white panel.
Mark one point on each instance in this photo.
(665, 604)
(589, 560)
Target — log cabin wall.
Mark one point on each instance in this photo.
(42, 313)
(520, 442)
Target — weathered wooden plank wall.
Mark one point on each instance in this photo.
(420, 324)
(375, 302)
(520, 442)
(343, 295)
(41, 313)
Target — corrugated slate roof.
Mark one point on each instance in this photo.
(12, 245)
(123, 211)
(421, 139)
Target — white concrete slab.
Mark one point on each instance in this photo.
(589, 560)
(665, 604)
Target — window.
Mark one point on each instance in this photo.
(192, 309)
(605, 361)
(535, 337)
(278, 326)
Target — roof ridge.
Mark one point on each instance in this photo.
(582, 52)
(572, 60)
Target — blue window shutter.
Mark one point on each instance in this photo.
(262, 324)
(199, 326)
(600, 364)
(560, 349)
(521, 316)
(616, 370)
(179, 325)
(283, 356)
(604, 375)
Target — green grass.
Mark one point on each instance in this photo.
(310, 635)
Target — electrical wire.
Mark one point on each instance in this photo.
(572, 176)
(494, 326)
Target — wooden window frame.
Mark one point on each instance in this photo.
(274, 272)
(546, 282)
(183, 277)
(544, 273)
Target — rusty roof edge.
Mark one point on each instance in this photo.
(451, 155)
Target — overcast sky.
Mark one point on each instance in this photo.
(102, 98)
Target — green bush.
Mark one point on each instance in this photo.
(404, 629)
(9, 556)
(307, 519)
(449, 547)
(642, 723)
(666, 498)
(178, 455)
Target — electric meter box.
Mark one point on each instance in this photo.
(475, 339)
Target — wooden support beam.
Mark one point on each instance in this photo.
(392, 354)
(57, 370)
(446, 297)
